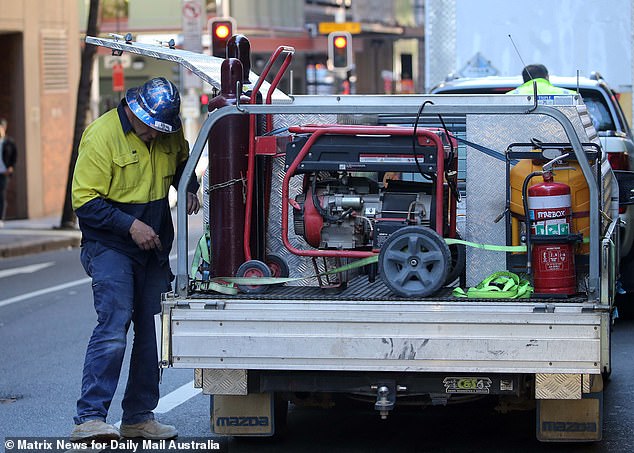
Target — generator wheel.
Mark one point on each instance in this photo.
(414, 262)
(256, 269)
(277, 265)
(458, 261)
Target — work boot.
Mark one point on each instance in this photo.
(149, 429)
(94, 429)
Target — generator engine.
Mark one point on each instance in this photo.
(341, 211)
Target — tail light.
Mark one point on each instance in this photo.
(619, 161)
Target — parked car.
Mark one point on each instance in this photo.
(609, 121)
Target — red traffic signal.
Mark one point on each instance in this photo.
(204, 104)
(340, 50)
(221, 29)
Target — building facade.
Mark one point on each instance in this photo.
(386, 45)
(40, 42)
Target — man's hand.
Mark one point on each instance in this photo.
(193, 205)
(144, 236)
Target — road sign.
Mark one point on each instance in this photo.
(354, 28)
(118, 78)
(192, 21)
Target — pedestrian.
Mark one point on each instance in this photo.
(538, 73)
(8, 157)
(127, 160)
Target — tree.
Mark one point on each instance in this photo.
(83, 103)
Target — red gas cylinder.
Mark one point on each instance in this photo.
(550, 212)
(228, 149)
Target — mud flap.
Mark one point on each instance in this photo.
(243, 415)
(579, 420)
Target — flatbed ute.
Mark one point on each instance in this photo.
(393, 330)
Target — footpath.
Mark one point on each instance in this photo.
(23, 237)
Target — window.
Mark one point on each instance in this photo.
(598, 110)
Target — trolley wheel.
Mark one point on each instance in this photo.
(277, 265)
(414, 261)
(253, 269)
(458, 261)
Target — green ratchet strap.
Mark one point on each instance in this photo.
(207, 285)
(277, 280)
(226, 285)
(499, 285)
(202, 251)
(491, 248)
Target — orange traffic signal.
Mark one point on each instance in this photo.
(340, 50)
(221, 30)
(340, 42)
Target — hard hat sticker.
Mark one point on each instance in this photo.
(162, 126)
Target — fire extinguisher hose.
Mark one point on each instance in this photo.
(529, 264)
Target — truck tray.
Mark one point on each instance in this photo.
(302, 328)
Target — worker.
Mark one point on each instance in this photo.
(127, 160)
(8, 157)
(538, 73)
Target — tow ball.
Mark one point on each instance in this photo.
(386, 397)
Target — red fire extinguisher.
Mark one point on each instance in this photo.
(550, 213)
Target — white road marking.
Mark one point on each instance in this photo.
(176, 398)
(25, 269)
(44, 291)
(52, 289)
(42, 232)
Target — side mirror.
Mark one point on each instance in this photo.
(625, 180)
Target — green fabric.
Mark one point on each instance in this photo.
(221, 288)
(543, 87)
(277, 280)
(202, 253)
(499, 285)
(226, 285)
(511, 285)
(491, 248)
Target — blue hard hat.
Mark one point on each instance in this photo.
(156, 103)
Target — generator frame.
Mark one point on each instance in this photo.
(397, 105)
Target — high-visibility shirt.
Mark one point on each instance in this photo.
(543, 87)
(118, 178)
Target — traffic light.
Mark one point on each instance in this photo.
(204, 104)
(339, 50)
(221, 30)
